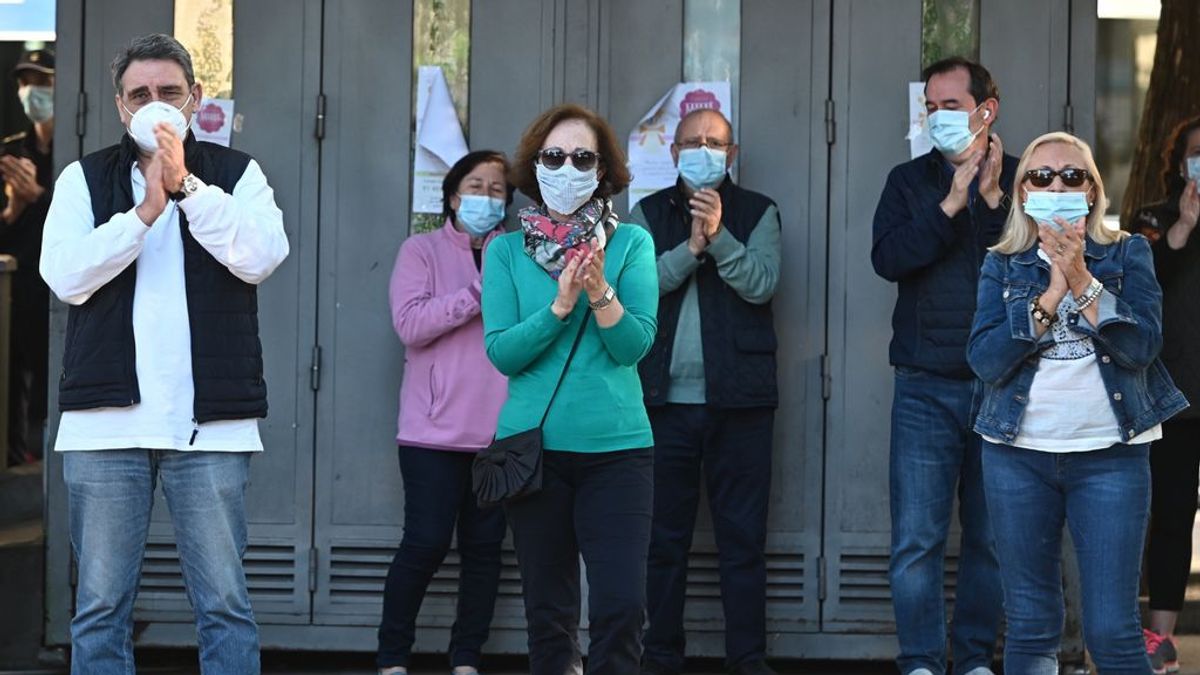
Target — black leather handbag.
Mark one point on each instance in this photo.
(511, 467)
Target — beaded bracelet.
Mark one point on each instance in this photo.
(1040, 314)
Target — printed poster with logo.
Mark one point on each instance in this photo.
(650, 141)
(214, 121)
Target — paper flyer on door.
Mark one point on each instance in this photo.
(918, 136)
(650, 141)
(439, 139)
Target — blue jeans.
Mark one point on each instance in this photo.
(437, 495)
(934, 454)
(110, 495)
(730, 452)
(1104, 497)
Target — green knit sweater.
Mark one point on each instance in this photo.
(599, 407)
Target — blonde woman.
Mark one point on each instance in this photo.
(1066, 339)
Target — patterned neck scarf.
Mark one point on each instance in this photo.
(549, 242)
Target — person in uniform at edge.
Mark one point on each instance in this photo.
(158, 244)
(711, 389)
(26, 171)
(936, 217)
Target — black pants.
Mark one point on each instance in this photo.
(596, 505)
(1174, 478)
(437, 494)
(730, 450)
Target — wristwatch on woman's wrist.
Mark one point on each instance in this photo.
(605, 300)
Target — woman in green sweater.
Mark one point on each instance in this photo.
(573, 267)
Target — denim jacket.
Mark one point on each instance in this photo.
(1003, 348)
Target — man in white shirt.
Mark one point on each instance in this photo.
(158, 244)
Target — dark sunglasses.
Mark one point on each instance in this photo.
(1070, 177)
(554, 158)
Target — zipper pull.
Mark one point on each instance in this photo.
(195, 430)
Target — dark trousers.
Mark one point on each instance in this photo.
(1174, 478)
(437, 495)
(596, 505)
(732, 447)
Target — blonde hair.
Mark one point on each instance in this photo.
(1020, 231)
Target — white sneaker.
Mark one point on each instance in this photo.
(921, 671)
(981, 671)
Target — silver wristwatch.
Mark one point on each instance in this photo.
(605, 300)
(190, 186)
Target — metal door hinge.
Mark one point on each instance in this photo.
(81, 109)
(320, 131)
(312, 570)
(314, 380)
(821, 578)
(1069, 118)
(826, 377)
(830, 122)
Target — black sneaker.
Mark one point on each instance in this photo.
(753, 668)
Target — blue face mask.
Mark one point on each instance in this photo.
(950, 131)
(702, 167)
(479, 214)
(1044, 206)
(1193, 168)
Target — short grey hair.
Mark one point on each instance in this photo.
(699, 112)
(152, 47)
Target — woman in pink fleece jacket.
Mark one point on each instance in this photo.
(450, 398)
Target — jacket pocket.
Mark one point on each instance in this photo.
(436, 397)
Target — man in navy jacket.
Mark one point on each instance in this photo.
(936, 217)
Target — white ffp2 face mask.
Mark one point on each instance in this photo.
(566, 188)
(142, 122)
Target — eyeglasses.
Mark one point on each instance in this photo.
(694, 143)
(1071, 177)
(554, 158)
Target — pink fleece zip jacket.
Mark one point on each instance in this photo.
(451, 394)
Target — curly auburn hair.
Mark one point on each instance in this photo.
(615, 176)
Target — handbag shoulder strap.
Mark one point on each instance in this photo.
(574, 346)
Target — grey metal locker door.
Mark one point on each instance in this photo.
(871, 109)
(1025, 45)
(784, 82)
(784, 85)
(365, 185)
(364, 216)
(270, 93)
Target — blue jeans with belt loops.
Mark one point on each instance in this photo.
(935, 455)
(1104, 498)
(110, 494)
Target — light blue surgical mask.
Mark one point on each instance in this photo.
(702, 167)
(950, 130)
(1193, 168)
(1044, 206)
(38, 102)
(479, 214)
